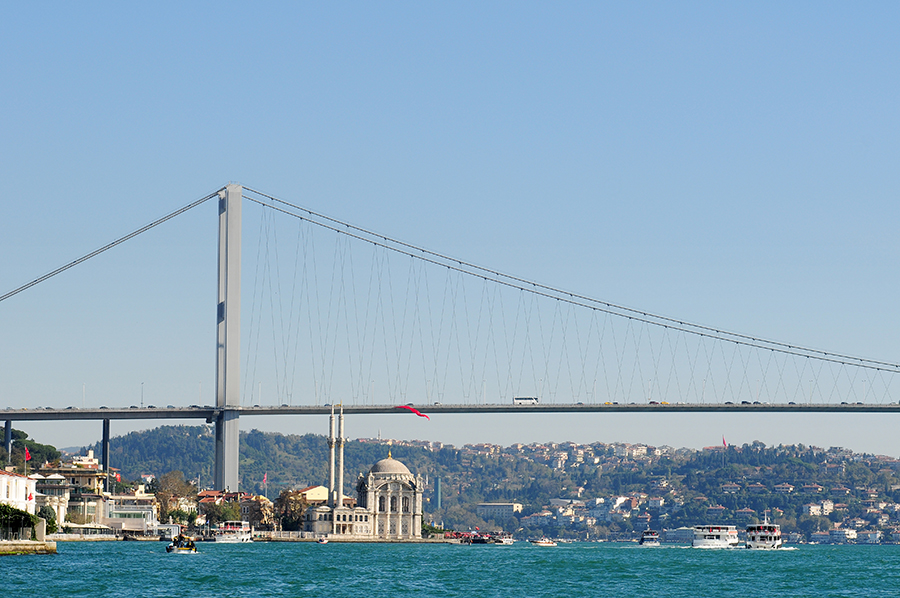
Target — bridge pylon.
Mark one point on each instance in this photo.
(228, 338)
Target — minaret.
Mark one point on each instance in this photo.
(331, 500)
(340, 443)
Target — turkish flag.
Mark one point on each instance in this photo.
(27, 454)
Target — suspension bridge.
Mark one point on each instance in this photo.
(448, 336)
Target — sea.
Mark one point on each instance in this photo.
(588, 569)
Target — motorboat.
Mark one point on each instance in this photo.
(182, 545)
(544, 542)
(649, 538)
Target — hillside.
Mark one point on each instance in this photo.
(689, 482)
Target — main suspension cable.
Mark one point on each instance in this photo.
(420, 253)
(97, 252)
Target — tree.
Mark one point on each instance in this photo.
(217, 513)
(168, 486)
(290, 506)
(48, 515)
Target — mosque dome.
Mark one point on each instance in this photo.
(389, 465)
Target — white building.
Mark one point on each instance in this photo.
(17, 491)
(842, 535)
(52, 491)
(136, 512)
(868, 537)
(498, 511)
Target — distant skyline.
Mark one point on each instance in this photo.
(733, 166)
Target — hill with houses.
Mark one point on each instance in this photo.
(593, 490)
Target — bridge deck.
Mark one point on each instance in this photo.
(209, 413)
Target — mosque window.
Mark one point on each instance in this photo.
(393, 504)
(406, 504)
(381, 507)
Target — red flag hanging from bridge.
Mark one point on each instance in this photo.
(414, 410)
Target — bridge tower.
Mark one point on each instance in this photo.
(228, 338)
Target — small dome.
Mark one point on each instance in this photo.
(389, 465)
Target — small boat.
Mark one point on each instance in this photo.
(233, 532)
(182, 545)
(715, 536)
(649, 538)
(764, 536)
(544, 542)
(504, 540)
(322, 540)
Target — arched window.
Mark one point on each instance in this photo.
(406, 504)
(381, 504)
(393, 504)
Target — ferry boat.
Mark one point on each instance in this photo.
(764, 536)
(715, 536)
(649, 538)
(233, 532)
(544, 542)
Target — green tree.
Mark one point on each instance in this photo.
(229, 511)
(48, 515)
(290, 507)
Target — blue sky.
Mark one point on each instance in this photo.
(732, 165)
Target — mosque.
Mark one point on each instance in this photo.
(388, 505)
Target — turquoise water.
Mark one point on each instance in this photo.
(376, 570)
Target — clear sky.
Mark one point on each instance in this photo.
(732, 165)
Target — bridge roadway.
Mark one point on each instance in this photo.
(210, 413)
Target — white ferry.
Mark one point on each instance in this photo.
(233, 532)
(543, 542)
(715, 536)
(764, 536)
(649, 538)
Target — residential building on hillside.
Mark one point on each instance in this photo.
(498, 511)
(868, 537)
(842, 535)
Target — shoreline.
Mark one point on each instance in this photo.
(17, 547)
